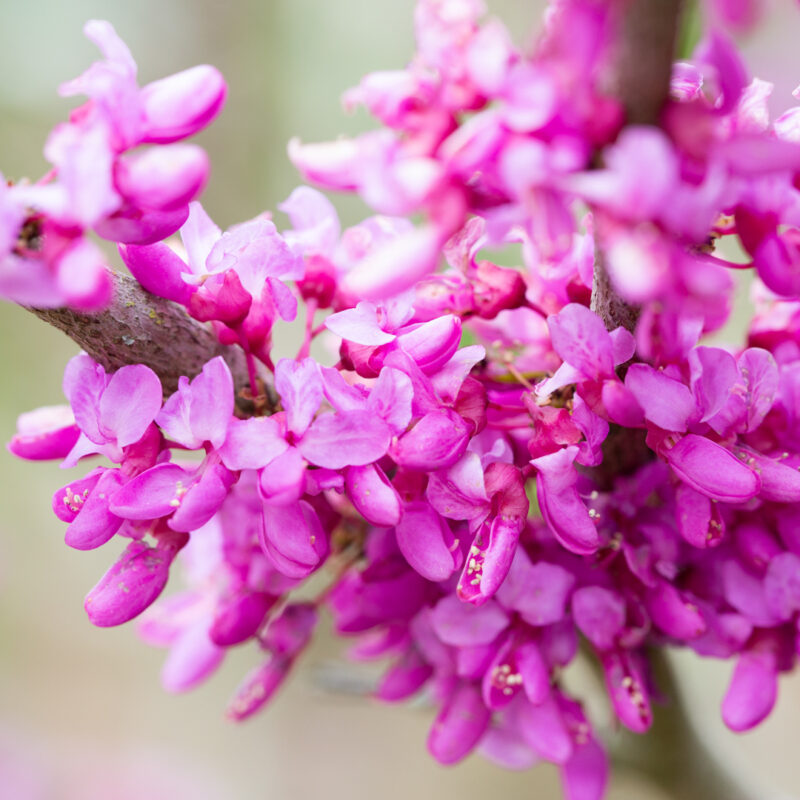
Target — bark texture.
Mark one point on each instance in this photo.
(671, 754)
(140, 328)
(639, 79)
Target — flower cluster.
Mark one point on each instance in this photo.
(665, 471)
(102, 179)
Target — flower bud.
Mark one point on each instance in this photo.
(752, 691)
(94, 524)
(626, 687)
(404, 678)
(442, 294)
(319, 281)
(497, 288)
(459, 726)
(158, 269)
(289, 633)
(427, 543)
(45, 433)
(431, 344)
(438, 440)
(131, 585)
(471, 403)
(239, 617)
(373, 496)
(162, 178)
(222, 298)
(133, 225)
(192, 659)
(182, 104)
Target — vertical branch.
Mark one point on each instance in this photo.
(671, 754)
(643, 53)
(647, 32)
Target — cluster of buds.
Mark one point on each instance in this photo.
(666, 471)
(120, 169)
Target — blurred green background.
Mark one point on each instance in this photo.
(82, 715)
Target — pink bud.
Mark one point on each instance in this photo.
(752, 692)
(359, 358)
(158, 269)
(192, 659)
(534, 671)
(133, 225)
(404, 678)
(782, 585)
(258, 687)
(82, 276)
(562, 507)
(289, 633)
(182, 104)
(780, 482)
(599, 614)
(319, 281)
(293, 538)
(239, 617)
(471, 403)
(222, 298)
(459, 726)
(281, 481)
(431, 344)
(497, 288)
(44, 433)
(442, 294)
(329, 163)
(712, 470)
(756, 546)
(427, 543)
(438, 440)
(585, 775)
(545, 730)
(699, 520)
(672, 614)
(162, 178)
(373, 496)
(626, 687)
(95, 524)
(132, 584)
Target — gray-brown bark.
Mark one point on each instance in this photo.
(642, 59)
(639, 78)
(670, 754)
(140, 328)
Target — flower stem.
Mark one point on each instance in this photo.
(647, 32)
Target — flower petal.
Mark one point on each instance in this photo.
(344, 439)
(426, 542)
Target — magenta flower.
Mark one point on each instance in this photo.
(387, 470)
(200, 410)
(133, 582)
(113, 412)
(97, 184)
